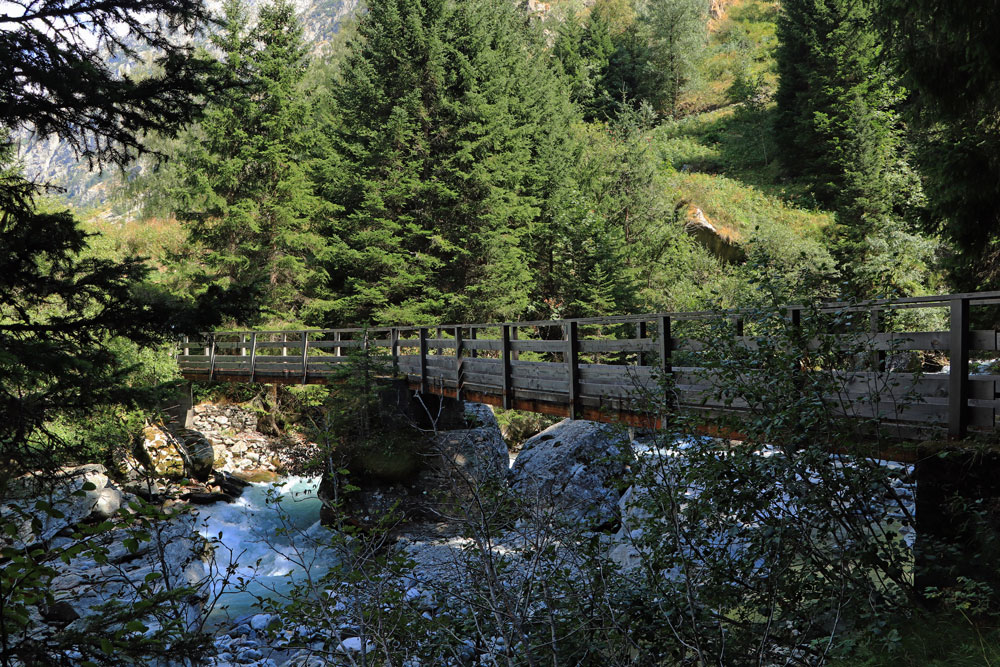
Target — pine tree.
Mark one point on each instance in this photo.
(839, 129)
(835, 103)
(444, 140)
(243, 186)
(677, 32)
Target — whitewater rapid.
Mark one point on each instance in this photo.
(266, 541)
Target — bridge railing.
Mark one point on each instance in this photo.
(596, 367)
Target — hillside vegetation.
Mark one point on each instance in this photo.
(428, 161)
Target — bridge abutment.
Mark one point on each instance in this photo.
(958, 520)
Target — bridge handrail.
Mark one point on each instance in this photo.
(932, 301)
(457, 358)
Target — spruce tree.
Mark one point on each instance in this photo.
(836, 103)
(241, 180)
(677, 32)
(839, 130)
(445, 139)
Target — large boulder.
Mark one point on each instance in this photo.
(462, 461)
(574, 469)
(199, 456)
(160, 454)
(173, 551)
(182, 453)
(57, 501)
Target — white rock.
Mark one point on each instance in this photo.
(353, 645)
(260, 621)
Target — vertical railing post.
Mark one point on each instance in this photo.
(877, 356)
(423, 360)
(187, 348)
(284, 348)
(337, 351)
(666, 348)
(305, 357)
(508, 389)
(459, 354)
(665, 345)
(243, 342)
(641, 333)
(253, 356)
(211, 357)
(472, 335)
(572, 366)
(394, 350)
(958, 376)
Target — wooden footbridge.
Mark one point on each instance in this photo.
(603, 368)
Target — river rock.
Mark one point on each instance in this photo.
(108, 503)
(573, 468)
(160, 453)
(465, 459)
(199, 456)
(174, 551)
(72, 492)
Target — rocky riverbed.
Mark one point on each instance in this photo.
(472, 528)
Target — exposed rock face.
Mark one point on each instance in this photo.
(453, 463)
(572, 468)
(721, 241)
(111, 565)
(463, 459)
(174, 552)
(239, 448)
(160, 453)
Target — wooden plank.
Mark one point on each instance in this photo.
(507, 384)
(481, 365)
(536, 346)
(482, 379)
(621, 345)
(459, 353)
(305, 356)
(550, 386)
(423, 360)
(958, 385)
(542, 371)
(572, 364)
(602, 371)
(484, 344)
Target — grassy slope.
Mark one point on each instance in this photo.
(720, 158)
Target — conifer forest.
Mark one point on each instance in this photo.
(178, 170)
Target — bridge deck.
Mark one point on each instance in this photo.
(610, 369)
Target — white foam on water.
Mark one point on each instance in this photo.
(270, 537)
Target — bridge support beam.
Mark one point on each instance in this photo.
(958, 518)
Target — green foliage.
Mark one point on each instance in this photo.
(60, 315)
(240, 177)
(147, 624)
(772, 546)
(445, 150)
(946, 56)
(837, 124)
(676, 31)
(59, 83)
(942, 639)
(359, 423)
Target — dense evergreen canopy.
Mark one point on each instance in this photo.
(447, 120)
